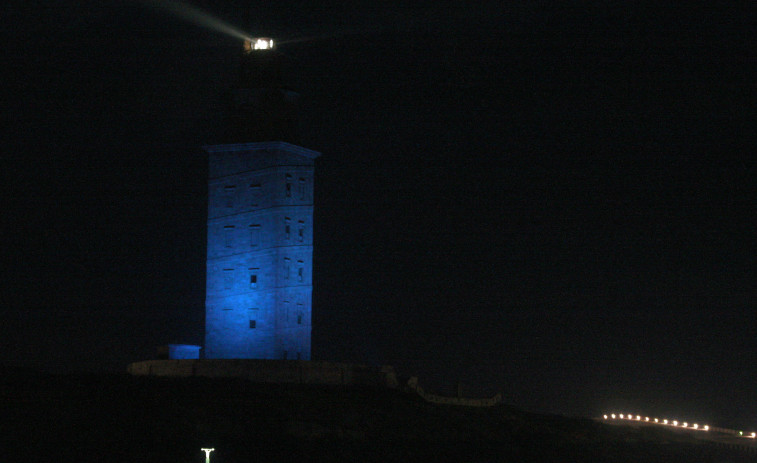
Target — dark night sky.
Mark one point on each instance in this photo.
(552, 202)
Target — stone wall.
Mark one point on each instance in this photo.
(260, 252)
(412, 384)
(270, 371)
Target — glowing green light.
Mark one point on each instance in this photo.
(207, 454)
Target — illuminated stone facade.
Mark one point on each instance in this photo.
(260, 251)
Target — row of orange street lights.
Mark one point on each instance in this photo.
(663, 422)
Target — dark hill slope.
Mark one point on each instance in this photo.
(122, 418)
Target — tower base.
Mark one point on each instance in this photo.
(271, 371)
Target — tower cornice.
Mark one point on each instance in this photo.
(261, 146)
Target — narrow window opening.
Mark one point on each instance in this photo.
(301, 231)
(254, 235)
(228, 192)
(287, 229)
(252, 318)
(255, 195)
(228, 277)
(286, 268)
(300, 313)
(289, 185)
(228, 235)
(254, 277)
(301, 188)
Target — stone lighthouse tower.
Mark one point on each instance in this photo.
(260, 221)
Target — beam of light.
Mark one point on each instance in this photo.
(198, 17)
(613, 416)
(675, 423)
(605, 416)
(331, 35)
(664, 421)
(706, 428)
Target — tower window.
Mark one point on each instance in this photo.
(300, 270)
(251, 317)
(289, 185)
(254, 235)
(287, 229)
(254, 277)
(228, 195)
(301, 231)
(299, 313)
(301, 188)
(256, 192)
(228, 277)
(287, 263)
(228, 232)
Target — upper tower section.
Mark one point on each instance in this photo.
(261, 107)
(237, 158)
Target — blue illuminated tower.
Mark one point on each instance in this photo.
(260, 225)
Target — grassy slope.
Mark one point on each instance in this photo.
(122, 418)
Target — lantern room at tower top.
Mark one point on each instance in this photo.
(260, 251)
